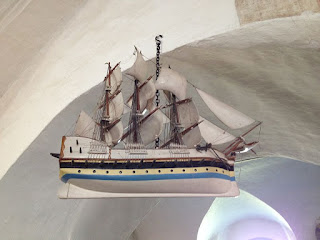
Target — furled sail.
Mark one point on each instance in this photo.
(172, 81)
(213, 134)
(114, 79)
(85, 126)
(115, 108)
(228, 115)
(113, 135)
(140, 68)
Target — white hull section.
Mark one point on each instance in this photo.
(91, 149)
(208, 187)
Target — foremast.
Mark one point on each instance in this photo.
(105, 119)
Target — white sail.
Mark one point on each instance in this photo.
(172, 81)
(151, 128)
(188, 116)
(85, 126)
(114, 79)
(228, 115)
(113, 135)
(187, 113)
(165, 118)
(148, 91)
(126, 109)
(146, 95)
(116, 75)
(140, 68)
(213, 134)
(143, 102)
(192, 138)
(115, 108)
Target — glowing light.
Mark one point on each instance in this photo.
(245, 217)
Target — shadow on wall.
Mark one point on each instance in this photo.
(244, 217)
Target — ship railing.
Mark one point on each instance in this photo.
(178, 151)
(96, 147)
(135, 148)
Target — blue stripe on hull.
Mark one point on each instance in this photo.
(66, 177)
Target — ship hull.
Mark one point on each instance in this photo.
(160, 182)
(90, 169)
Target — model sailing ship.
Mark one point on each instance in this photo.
(162, 155)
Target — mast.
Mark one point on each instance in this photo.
(136, 109)
(104, 122)
(134, 122)
(142, 130)
(109, 127)
(175, 122)
(182, 112)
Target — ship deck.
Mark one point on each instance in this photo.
(143, 164)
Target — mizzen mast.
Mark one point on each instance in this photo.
(175, 127)
(183, 114)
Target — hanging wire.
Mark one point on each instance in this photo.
(158, 43)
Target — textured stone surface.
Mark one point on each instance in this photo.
(259, 10)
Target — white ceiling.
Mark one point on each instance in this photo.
(53, 51)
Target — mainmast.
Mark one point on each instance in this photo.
(146, 120)
(135, 115)
(175, 126)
